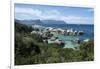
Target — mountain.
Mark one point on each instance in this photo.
(31, 22)
(40, 22)
(53, 22)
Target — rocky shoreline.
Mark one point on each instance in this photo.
(50, 35)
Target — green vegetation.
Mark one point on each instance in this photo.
(29, 49)
(21, 28)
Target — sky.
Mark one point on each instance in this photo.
(71, 15)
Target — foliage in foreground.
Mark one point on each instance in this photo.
(29, 49)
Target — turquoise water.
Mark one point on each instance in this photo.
(69, 43)
(87, 29)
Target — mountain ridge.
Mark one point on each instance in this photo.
(40, 22)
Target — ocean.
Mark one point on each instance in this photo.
(88, 29)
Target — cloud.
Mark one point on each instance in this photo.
(52, 14)
(77, 19)
(29, 11)
(35, 13)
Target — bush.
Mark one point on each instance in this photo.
(29, 49)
